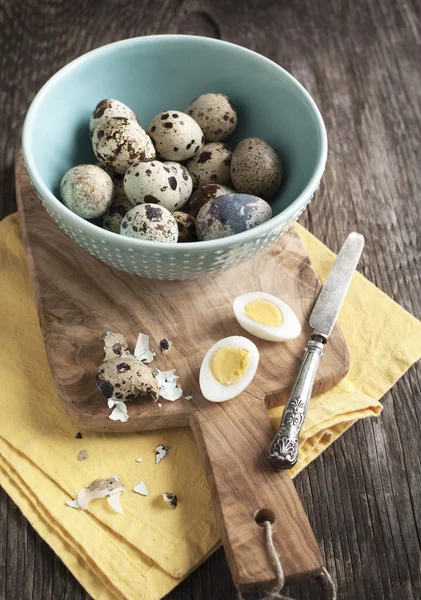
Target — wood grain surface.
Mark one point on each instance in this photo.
(360, 62)
(75, 295)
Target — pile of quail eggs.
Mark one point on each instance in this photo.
(176, 181)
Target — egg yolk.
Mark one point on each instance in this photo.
(229, 364)
(264, 312)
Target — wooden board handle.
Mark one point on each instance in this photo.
(233, 438)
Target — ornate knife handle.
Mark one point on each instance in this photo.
(283, 451)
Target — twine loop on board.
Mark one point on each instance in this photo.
(275, 593)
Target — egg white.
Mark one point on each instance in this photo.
(289, 330)
(213, 390)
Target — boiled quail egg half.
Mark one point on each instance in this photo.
(228, 368)
(266, 317)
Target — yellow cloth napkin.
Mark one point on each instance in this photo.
(143, 554)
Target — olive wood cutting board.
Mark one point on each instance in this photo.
(78, 297)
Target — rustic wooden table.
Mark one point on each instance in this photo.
(360, 62)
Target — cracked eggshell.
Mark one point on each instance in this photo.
(113, 218)
(184, 180)
(118, 142)
(150, 222)
(256, 168)
(153, 183)
(211, 165)
(114, 344)
(231, 214)
(176, 136)
(87, 191)
(125, 378)
(186, 227)
(216, 115)
(107, 109)
(204, 194)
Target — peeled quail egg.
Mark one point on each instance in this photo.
(186, 227)
(204, 194)
(266, 317)
(256, 168)
(211, 165)
(231, 214)
(176, 136)
(87, 190)
(152, 182)
(228, 368)
(184, 179)
(107, 109)
(216, 115)
(150, 222)
(118, 142)
(116, 213)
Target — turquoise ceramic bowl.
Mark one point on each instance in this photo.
(157, 73)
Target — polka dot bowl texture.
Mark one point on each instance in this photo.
(157, 73)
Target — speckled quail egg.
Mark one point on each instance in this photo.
(204, 194)
(266, 317)
(231, 214)
(114, 216)
(150, 222)
(176, 136)
(118, 142)
(216, 115)
(211, 165)
(118, 179)
(256, 168)
(126, 378)
(186, 227)
(114, 344)
(228, 368)
(87, 190)
(184, 179)
(107, 109)
(153, 183)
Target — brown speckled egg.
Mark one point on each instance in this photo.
(150, 222)
(118, 142)
(211, 165)
(153, 183)
(126, 378)
(256, 168)
(107, 109)
(87, 190)
(184, 180)
(204, 194)
(186, 227)
(118, 179)
(116, 213)
(231, 214)
(176, 136)
(216, 115)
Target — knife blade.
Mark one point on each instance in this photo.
(283, 451)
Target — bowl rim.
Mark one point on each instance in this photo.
(180, 247)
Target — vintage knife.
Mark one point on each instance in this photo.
(283, 451)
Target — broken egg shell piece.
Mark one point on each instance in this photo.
(99, 488)
(125, 378)
(114, 344)
(165, 346)
(73, 503)
(83, 455)
(170, 498)
(161, 452)
(140, 459)
(141, 489)
(142, 352)
(114, 502)
(168, 388)
(119, 412)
